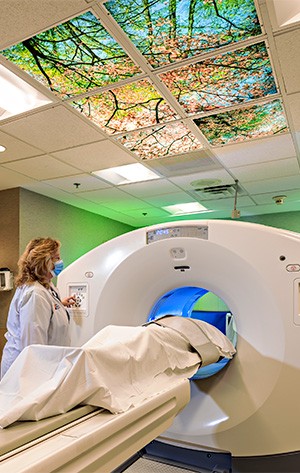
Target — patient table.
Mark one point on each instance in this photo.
(88, 439)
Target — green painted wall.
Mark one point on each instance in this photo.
(78, 230)
(210, 302)
(285, 220)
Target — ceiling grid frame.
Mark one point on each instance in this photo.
(268, 36)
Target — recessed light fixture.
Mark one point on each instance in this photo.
(16, 95)
(126, 174)
(186, 208)
(2, 148)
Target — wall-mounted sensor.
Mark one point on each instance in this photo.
(279, 199)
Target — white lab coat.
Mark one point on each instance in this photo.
(36, 316)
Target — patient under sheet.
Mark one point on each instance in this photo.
(120, 367)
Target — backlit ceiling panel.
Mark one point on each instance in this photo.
(192, 60)
(245, 123)
(227, 79)
(168, 31)
(126, 108)
(164, 140)
(74, 57)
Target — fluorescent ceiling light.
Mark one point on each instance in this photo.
(185, 209)
(126, 174)
(16, 95)
(2, 149)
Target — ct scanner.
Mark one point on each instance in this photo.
(247, 415)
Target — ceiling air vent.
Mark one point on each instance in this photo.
(183, 164)
(213, 192)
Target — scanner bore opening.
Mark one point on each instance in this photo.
(198, 303)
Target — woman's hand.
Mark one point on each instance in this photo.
(68, 301)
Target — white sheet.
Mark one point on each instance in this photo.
(118, 368)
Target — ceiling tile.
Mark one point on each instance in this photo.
(273, 185)
(208, 178)
(291, 196)
(287, 45)
(22, 18)
(188, 163)
(297, 138)
(222, 204)
(149, 188)
(53, 192)
(16, 149)
(42, 167)
(256, 151)
(115, 199)
(103, 195)
(285, 13)
(294, 106)
(71, 199)
(148, 216)
(258, 172)
(169, 199)
(147, 212)
(271, 208)
(10, 179)
(108, 213)
(53, 129)
(125, 205)
(78, 183)
(95, 156)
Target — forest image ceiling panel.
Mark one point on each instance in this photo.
(218, 82)
(163, 140)
(244, 123)
(169, 31)
(74, 57)
(168, 77)
(126, 108)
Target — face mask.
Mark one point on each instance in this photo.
(58, 267)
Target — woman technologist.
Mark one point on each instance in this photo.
(36, 314)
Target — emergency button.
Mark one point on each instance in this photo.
(293, 268)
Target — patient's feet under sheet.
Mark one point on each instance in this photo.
(118, 368)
